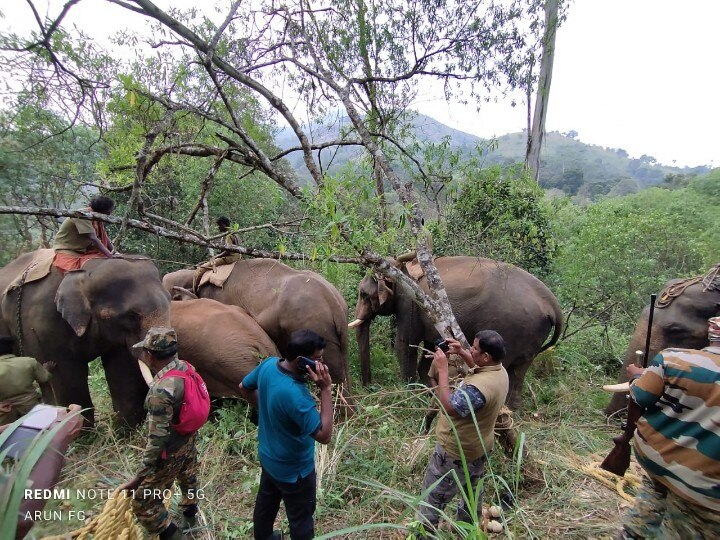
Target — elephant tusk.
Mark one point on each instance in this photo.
(617, 388)
(355, 323)
(145, 372)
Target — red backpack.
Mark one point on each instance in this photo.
(196, 405)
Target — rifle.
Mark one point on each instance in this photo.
(618, 460)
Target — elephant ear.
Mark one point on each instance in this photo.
(71, 302)
(385, 290)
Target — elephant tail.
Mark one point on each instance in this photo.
(556, 319)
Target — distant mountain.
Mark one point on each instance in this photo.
(567, 164)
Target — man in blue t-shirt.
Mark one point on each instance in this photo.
(289, 424)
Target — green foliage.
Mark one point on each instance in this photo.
(44, 161)
(708, 186)
(344, 211)
(615, 252)
(172, 188)
(498, 213)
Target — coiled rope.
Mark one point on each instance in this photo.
(710, 281)
(504, 420)
(613, 481)
(115, 521)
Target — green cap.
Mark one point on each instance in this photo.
(158, 339)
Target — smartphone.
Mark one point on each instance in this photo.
(442, 345)
(304, 363)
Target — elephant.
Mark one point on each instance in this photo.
(484, 295)
(222, 342)
(683, 323)
(281, 299)
(71, 319)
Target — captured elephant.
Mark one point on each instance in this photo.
(223, 343)
(99, 311)
(282, 300)
(484, 295)
(682, 323)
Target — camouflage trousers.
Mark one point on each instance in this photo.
(440, 466)
(659, 513)
(148, 499)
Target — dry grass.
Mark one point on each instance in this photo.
(375, 465)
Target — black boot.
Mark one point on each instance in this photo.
(171, 533)
(189, 519)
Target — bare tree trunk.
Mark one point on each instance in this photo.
(206, 222)
(535, 137)
(142, 168)
(380, 190)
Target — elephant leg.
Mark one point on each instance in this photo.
(516, 374)
(617, 403)
(430, 413)
(424, 367)
(127, 387)
(69, 384)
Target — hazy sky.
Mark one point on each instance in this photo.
(641, 75)
(635, 74)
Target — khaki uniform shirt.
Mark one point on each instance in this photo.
(476, 442)
(17, 374)
(231, 239)
(74, 236)
(457, 369)
(163, 402)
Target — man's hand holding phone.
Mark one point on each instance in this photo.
(320, 375)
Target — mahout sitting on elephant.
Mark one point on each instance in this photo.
(680, 321)
(71, 319)
(281, 299)
(484, 295)
(222, 342)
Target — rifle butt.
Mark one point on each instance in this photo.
(618, 460)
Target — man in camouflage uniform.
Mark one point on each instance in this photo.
(17, 375)
(677, 442)
(168, 455)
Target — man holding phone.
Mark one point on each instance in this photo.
(289, 424)
(465, 430)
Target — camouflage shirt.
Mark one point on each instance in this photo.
(163, 403)
(677, 440)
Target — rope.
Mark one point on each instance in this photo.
(116, 521)
(613, 481)
(18, 311)
(710, 281)
(504, 420)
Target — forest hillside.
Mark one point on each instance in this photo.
(567, 164)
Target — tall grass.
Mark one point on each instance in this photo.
(370, 476)
(16, 472)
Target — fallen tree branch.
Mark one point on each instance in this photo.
(173, 235)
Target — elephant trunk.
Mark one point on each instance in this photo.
(362, 334)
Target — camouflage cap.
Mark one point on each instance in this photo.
(159, 338)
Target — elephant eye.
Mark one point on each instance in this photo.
(676, 330)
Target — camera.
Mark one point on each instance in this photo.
(304, 363)
(442, 345)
